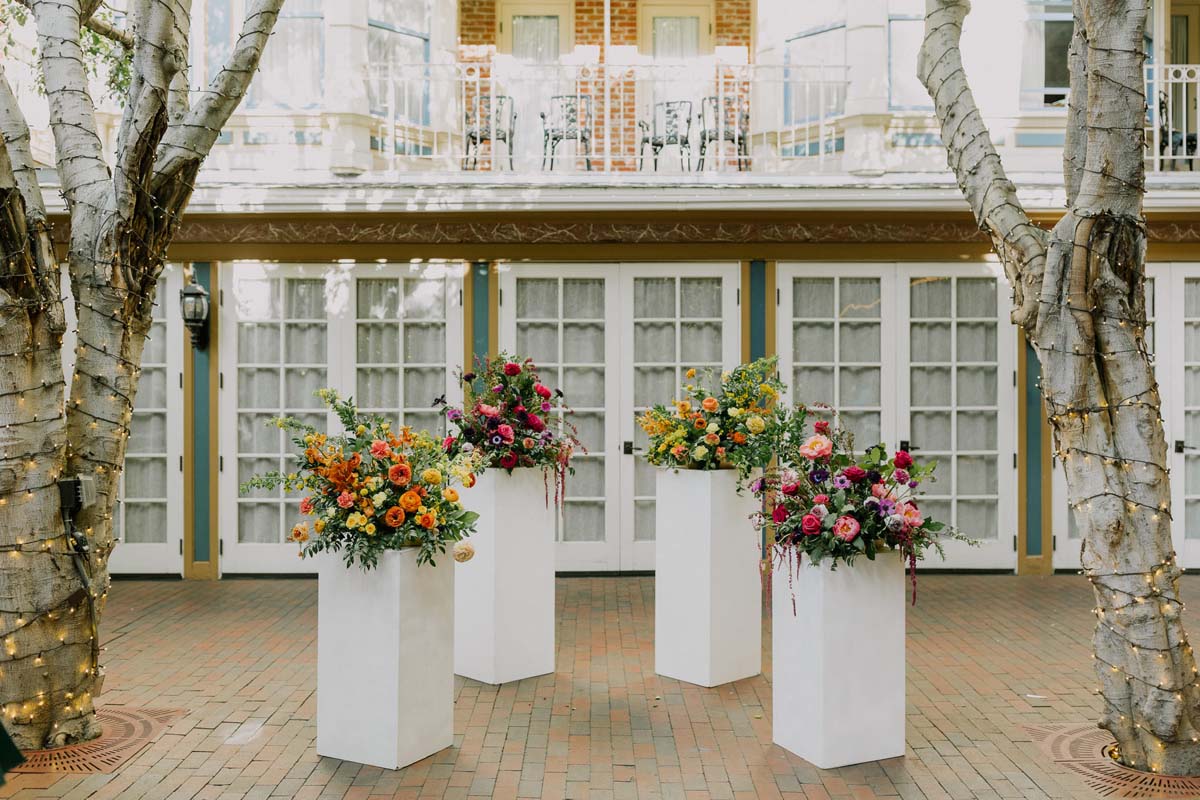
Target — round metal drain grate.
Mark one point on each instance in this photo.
(126, 732)
(1084, 749)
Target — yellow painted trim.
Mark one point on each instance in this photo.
(468, 317)
(770, 344)
(745, 310)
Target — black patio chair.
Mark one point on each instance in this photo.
(733, 126)
(484, 126)
(671, 125)
(1173, 143)
(569, 119)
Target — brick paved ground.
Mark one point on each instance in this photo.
(986, 655)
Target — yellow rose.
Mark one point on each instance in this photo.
(355, 520)
(370, 529)
(713, 427)
(360, 430)
(700, 452)
(432, 476)
(691, 373)
(755, 424)
(451, 495)
(463, 551)
(319, 525)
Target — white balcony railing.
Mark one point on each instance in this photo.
(703, 115)
(1171, 92)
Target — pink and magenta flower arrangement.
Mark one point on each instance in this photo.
(827, 504)
(510, 419)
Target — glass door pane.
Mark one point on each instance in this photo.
(954, 398)
(535, 38)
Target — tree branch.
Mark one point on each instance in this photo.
(188, 142)
(14, 132)
(97, 25)
(975, 162)
(79, 151)
(1075, 148)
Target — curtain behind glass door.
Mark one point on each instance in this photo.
(535, 38)
(676, 38)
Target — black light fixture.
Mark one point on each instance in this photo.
(193, 303)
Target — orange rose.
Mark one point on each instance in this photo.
(400, 474)
(470, 481)
(699, 423)
(394, 516)
(738, 437)
(367, 507)
(427, 520)
(710, 404)
(450, 494)
(410, 501)
(712, 438)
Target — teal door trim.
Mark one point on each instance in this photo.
(201, 417)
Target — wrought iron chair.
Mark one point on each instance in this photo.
(731, 126)
(1173, 143)
(481, 125)
(672, 125)
(569, 119)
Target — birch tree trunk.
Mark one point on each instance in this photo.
(1079, 294)
(122, 217)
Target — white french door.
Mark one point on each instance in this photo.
(385, 334)
(148, 520)
(148, 517)
(617, 338)
(921, 355)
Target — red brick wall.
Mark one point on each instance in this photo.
(477, 22)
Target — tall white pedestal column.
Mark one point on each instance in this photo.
(385, 659)
(707, 583)
(837, 674)
(504, 596)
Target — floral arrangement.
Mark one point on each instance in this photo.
(732, 427)
(374, 489)
(511, 419)
(826, 503)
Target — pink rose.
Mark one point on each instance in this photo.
(380, 449)
(816, 448)
(790, 488)
(881, 491)
(345, 500)
(821, 499)
(448, 443)
(900, 476)
(506, 432)
(846, 528)
(528, 443)
(306, 506)
(810, 524)
(487, 411)
(911, 514)
(854, 473)
(780, 514)
(512, 368)
(543, 391)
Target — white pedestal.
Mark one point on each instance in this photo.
(504, 596)
(707, 583)
(837, 676)
(385, 659)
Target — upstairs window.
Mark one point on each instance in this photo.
(398, 50)
(291, 75)
(814, 75)
(1045, 75)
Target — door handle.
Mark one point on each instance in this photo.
(628, 449)
(908, 446)
(1180, 446)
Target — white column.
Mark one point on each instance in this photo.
(867, 95)
(385, 659)
(346, 119)
(707, 583)
(504, 596)
(837, 660)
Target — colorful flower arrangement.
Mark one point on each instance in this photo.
(826, 503)
(511, 419)
(374, 488)
(732, 427)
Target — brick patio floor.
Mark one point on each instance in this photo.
(986, 655)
